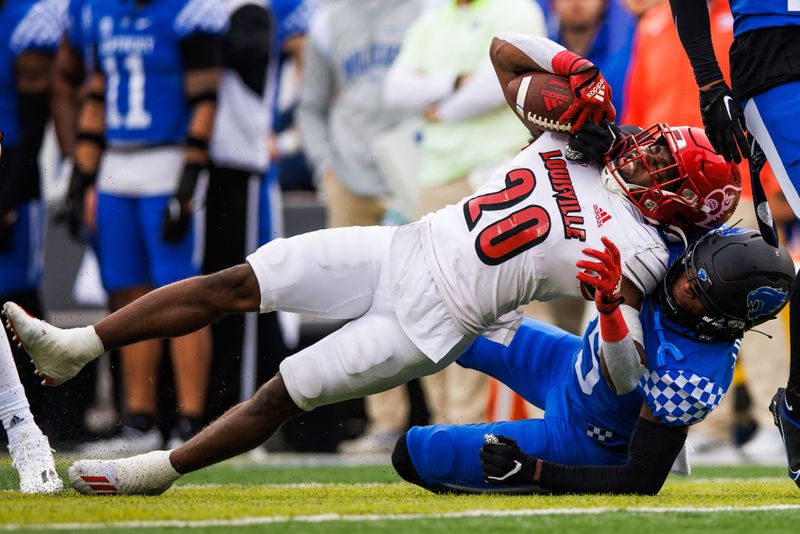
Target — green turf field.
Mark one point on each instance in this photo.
(372, 498)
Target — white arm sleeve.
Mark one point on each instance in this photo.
(622, 359)
(408, 89)
(539, 49)
(480, 94)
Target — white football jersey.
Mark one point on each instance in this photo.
(518, 237)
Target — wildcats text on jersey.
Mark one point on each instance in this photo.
(564, 193)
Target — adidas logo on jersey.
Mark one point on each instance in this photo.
(601, 216)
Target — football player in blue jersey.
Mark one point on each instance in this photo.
(29, 34)
(72, 63)
(765, 101)
(148, 117)
(596, 435)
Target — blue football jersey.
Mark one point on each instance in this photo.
(684, 382)
(754, 14)
(78, 27)
(138, 52)
(25, 25)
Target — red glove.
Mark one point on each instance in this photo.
(592, 92)
(606, 278)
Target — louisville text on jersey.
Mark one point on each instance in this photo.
(567, 200)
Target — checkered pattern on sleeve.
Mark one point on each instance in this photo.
(680, 398)
(599, 434)
(202, 16)
(40, 29)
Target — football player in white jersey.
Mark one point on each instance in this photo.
(416, 296)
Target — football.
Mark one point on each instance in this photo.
(540, 98)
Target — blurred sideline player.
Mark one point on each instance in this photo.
(595, 437)
(151, 101)
(765, 77)
(419, 294)
(29, 32)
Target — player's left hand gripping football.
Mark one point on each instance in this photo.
(592, 92)
(603, 275)
(724, 121)
(592, 142)
(504, 463)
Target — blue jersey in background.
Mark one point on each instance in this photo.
(25, 25)
(138, 51)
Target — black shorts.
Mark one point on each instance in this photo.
(764, 58)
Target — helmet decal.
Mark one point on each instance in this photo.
(719, 203)
(765, 301)
(732, 230)
(702, 275)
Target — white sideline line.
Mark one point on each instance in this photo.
(325, 518)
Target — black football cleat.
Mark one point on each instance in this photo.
(786, 419)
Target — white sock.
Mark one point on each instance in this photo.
(15, 412)
(153, 469)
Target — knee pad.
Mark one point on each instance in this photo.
(402, 463)
(404, 466)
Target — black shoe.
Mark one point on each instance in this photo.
(783, 412)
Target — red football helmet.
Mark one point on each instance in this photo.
(694, 189)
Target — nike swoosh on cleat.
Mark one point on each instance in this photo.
(786, 403)
(517, 469)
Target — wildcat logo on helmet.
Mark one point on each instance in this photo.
(764, 301)
(702, 275)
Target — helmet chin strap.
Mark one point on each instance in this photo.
(611, 183)
(674, 230)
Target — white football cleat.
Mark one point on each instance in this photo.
(146, 474)
(33, 460)
(58, 354)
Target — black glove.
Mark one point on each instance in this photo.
(72, 212)
(503, 462)
(592, 142)
(7, 221)
(178, 213)
(724, 121)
